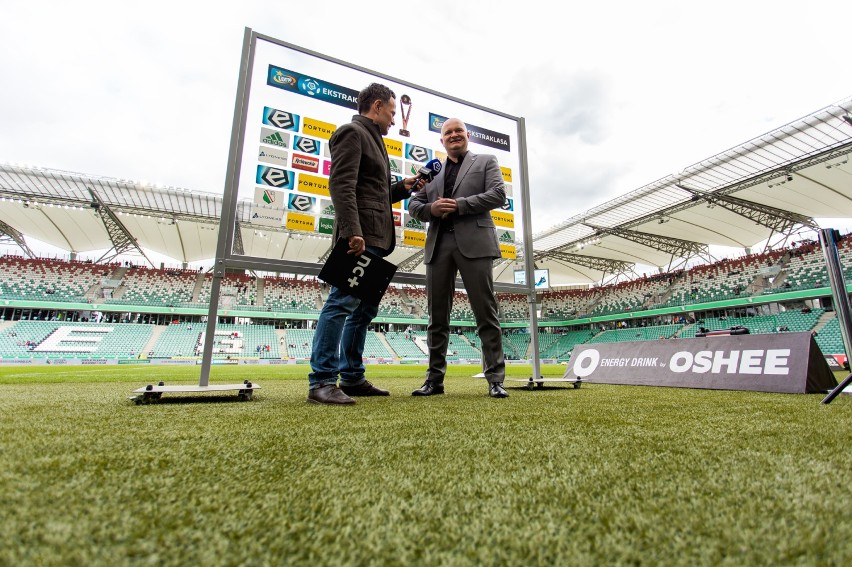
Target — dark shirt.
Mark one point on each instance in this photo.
(450, 176)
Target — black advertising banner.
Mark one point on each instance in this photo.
(478, 135)
(783, 363)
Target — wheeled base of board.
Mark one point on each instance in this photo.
(540, 382)
(152, 393)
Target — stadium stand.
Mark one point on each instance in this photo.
(513, 306)
(563, 304)
(49, 280)
(405, 345)
(461, 310)
(798, 267)
(417, 300)
(829, 339)
(298, 342)
(291, 295)
(393, 304)
(787, 321)
(375, 348)
(236, 290)
(516, 345)
(562, 347)
(52, 339)
(459, 347)
(635, 334)
(244, 341)
(150, 286)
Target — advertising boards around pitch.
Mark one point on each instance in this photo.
(785, 363)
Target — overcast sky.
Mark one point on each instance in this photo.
(616, 94)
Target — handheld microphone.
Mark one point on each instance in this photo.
(428, 171)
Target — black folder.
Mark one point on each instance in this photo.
(366, 276)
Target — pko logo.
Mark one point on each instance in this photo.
(309, 86)
(358, 270)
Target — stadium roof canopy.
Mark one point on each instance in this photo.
(764, 190)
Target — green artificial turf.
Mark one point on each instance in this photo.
(616, 475)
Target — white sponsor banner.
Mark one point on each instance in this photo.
(268, 207)
(273, 156)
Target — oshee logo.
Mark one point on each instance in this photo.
(747, 361)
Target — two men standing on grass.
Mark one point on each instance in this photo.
(461, 238)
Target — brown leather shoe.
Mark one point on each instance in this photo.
(329, 394)
(365, 389)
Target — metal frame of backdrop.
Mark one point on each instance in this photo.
(225, 257)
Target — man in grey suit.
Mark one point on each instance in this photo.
(462, 239)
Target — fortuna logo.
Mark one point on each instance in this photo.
(275, 140)
(358, 270)
(268, 197)
(318, 129)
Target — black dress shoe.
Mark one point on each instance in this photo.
(429, 389)
(329, 394)
(497, 391)
(365, 389)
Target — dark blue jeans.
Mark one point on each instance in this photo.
(341, 331)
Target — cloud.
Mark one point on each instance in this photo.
(573, 104)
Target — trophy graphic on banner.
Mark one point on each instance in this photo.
(405, 103)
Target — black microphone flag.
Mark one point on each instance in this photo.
(366, 276)
(428, 171)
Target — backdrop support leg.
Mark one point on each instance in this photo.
(840, 387)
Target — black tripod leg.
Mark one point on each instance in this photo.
(837, 390)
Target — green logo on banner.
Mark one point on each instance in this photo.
(507, 237)
(326, 226)
(329, 211)
(414, 223)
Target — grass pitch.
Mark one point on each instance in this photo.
(598, 475)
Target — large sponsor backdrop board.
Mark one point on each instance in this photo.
(297, 100)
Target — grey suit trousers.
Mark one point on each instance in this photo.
(478, 278)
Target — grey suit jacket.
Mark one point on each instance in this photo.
(479, 189)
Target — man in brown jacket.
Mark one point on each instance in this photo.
(362, 194)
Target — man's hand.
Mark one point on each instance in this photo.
(413, 184)
(356, 245)
(443, 207)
